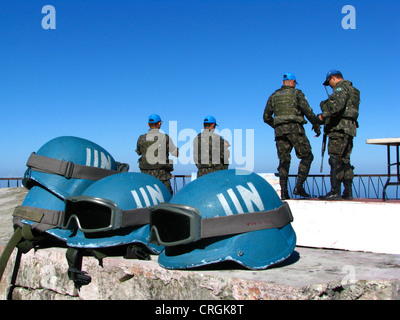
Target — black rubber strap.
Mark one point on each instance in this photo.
(135, 217)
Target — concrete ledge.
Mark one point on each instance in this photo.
(309, 274)
(350, 225)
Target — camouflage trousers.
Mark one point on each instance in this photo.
(284, 146)
(340, 146)
(161, 174)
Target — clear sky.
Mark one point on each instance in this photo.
(108, 65)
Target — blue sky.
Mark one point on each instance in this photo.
(109, 64)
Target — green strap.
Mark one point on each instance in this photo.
(23, 239)
(26, 232)
(12, 243)
(14, 275)
(45, 218)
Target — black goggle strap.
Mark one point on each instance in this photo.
(48, 219)
(66, 169)
(135, 217)
(45, 218)
(246, 222)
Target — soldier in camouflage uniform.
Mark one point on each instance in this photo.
(339, 115)
(285, 111)
(210, 150)
(154, 147)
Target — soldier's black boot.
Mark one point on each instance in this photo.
(335, 193)
(299, 191)
(304, 169)
(285, 195)
(331, 195)
(284, 190)
(283, 170)
(348, 176)
(348, 192)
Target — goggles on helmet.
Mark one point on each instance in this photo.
(174, 224)
(92, 214)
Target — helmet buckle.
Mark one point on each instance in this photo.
(69, 169)
(79, 277)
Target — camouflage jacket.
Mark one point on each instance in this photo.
(291, 126)
(210, 150)
(154, 147)
(340, 111)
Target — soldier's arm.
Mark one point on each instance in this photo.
(227, 153)
(172, 148)
(196, 150)
(336, 102)
(268, 112)
(139, 146)
(305, 108)
(224, 152)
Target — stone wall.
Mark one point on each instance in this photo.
(9, 199)
(309, 274)
(43, 275)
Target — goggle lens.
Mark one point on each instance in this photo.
(166, 221)
(90, 215)
(172, 224)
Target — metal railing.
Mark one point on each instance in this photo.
(179, 184)
(11, 182)
(368, 186)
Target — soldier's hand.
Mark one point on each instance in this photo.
(317, 129)
(319, 119)
(322, 103)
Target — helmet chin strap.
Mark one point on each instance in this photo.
(326, 89)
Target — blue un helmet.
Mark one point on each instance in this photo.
(114, 211)
(62, 167)
(154, 118)
(67, 165)
(330, 74)
(289, 76)
(210, 119)
(223, 217)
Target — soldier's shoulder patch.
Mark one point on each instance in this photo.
(338, 89)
